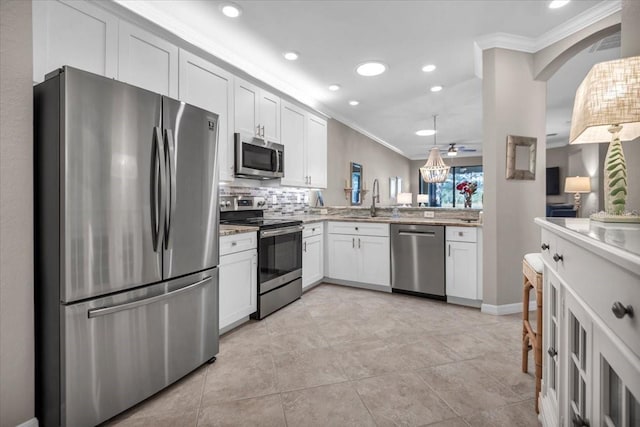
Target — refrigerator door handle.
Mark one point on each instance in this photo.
(157, 190)
(97, 312)
(171, 173)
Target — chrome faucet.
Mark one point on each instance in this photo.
(375, 196)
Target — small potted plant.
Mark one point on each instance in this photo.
(467, 189)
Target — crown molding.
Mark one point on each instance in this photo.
(589, 17)
(534, 44)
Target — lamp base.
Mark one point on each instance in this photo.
(604, 217)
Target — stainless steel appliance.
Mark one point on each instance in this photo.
(257, 158)
(126, 245)
(417, 260)
(279, 252)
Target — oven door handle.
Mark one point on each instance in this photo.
(280, 231)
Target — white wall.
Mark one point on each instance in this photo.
(16, 214)
(513, 104)
(345, 145)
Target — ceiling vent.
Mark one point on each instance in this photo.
(611, 42)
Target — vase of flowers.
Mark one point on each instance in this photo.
(467, 189)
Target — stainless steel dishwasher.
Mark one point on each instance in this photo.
(417, 260)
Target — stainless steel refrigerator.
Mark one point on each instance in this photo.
(126, 245)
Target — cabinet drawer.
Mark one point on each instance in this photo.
(238, 242)
(600, 284)
(359, 228)
(462, 234)
(313, 229)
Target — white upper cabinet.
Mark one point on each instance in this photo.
(316, 151)
(246, 107)
(211, 88)
(269, 114)
(304, 136)
(147, 61)
(294, 141)
(257, 112)
(73, 33)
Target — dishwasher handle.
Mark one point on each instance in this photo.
(417, 233)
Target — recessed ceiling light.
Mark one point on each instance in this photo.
(353, 103)
(291, 56)
(436, 88)
(426, 132)
(428, 68)
(231, 10)
(555, 4)
(371, 68)
(334, 88)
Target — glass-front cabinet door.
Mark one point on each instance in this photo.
(617, 382)
(551, 341)
(577, 408)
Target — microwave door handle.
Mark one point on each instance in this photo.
(277, 161)
(171, 173)
(158, 200)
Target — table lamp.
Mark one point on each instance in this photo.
(405, 199)
(577, 185)
(607, 108)
(423, 199)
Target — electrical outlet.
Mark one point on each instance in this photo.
(298, 198)
(274, 199)
(429, 214)
(324, 211)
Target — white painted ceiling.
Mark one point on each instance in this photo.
(333, 37)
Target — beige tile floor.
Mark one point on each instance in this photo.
(350, 357)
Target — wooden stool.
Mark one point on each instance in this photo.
(532, 271)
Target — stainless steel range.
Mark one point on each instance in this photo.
(279, 251)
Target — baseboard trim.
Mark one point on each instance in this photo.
(234, 325)
(368, 286)
(500, 310)
(313, 285)
(464, 301)
(33, 422)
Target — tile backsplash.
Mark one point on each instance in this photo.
(280, 200)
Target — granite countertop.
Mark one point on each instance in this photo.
(308, 219)
(227, 230)
(611, 240)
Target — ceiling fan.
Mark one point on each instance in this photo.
(454, 149)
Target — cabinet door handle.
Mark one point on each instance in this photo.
(552, 352)
(620, 310)
(258, 130)
(353, 242)
(263, 131)
(358, 243)
(305, 246)
(557, 258)
(309, 179)
(449, 250)
(234, 243)
(544, 247)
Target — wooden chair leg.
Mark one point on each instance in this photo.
(525, 352)
(525, 318)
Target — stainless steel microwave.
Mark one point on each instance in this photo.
(257, 158)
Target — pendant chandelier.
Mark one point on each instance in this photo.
(435, 170)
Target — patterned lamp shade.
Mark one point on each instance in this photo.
(609, 95)
(434, 170)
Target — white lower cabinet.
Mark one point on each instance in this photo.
(591, 337)
(312, 260)
(359, 257)
(462, 263)
(238, 283)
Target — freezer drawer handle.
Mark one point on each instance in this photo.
(417, 233)
(97, 312)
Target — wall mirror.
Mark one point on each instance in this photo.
(521, 157)
(356, 184)
(395, 187)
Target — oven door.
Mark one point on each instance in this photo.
(256, 158)
(280, 257)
